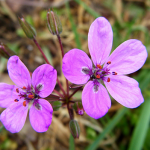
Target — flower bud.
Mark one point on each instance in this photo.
(56, 105)
(74, 128)
(27, 28)
(53, 23)
(5, 51)
(78, 108)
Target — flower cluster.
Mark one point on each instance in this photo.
(103, 71)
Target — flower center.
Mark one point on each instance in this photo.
(28, 94)
(99, 73)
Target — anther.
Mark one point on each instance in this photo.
(16, 100)
(98, 76)
(109, 62)
(31, 96)
(24, 87)
(103, 72)
(108, 79)
(92, 77)
(24, 103)
(99, 66)
(17, 90)
(114, 73)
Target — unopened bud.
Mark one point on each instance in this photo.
(56, 105)
(53, 23)
(27, 28)
(74, 128)
(78, 108)
(5, 51)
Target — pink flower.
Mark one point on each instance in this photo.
(108, 70)
(17, 99)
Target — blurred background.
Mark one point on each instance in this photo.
(120, 128)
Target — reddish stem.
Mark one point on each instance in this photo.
(70, 111)
(67, 87)
(75, 92)
(35, 41)
(61, 46)
(61, 86)
(58, 93)
(62, 52)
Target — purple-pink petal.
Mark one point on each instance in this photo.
(95, 103)
(7, 94)
(13, 118)
(125, 90)
(44, 80)
(128, 57)
(18, 72)
(41, 115)
(100, 38)
(74, 62)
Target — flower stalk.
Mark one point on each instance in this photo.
(62, 52)
(55, 27)
(5, 51)
(35, 41)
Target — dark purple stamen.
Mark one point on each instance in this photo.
(16, 100)
(114, 73)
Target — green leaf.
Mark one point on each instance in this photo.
(108, 128)
(141, 128)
